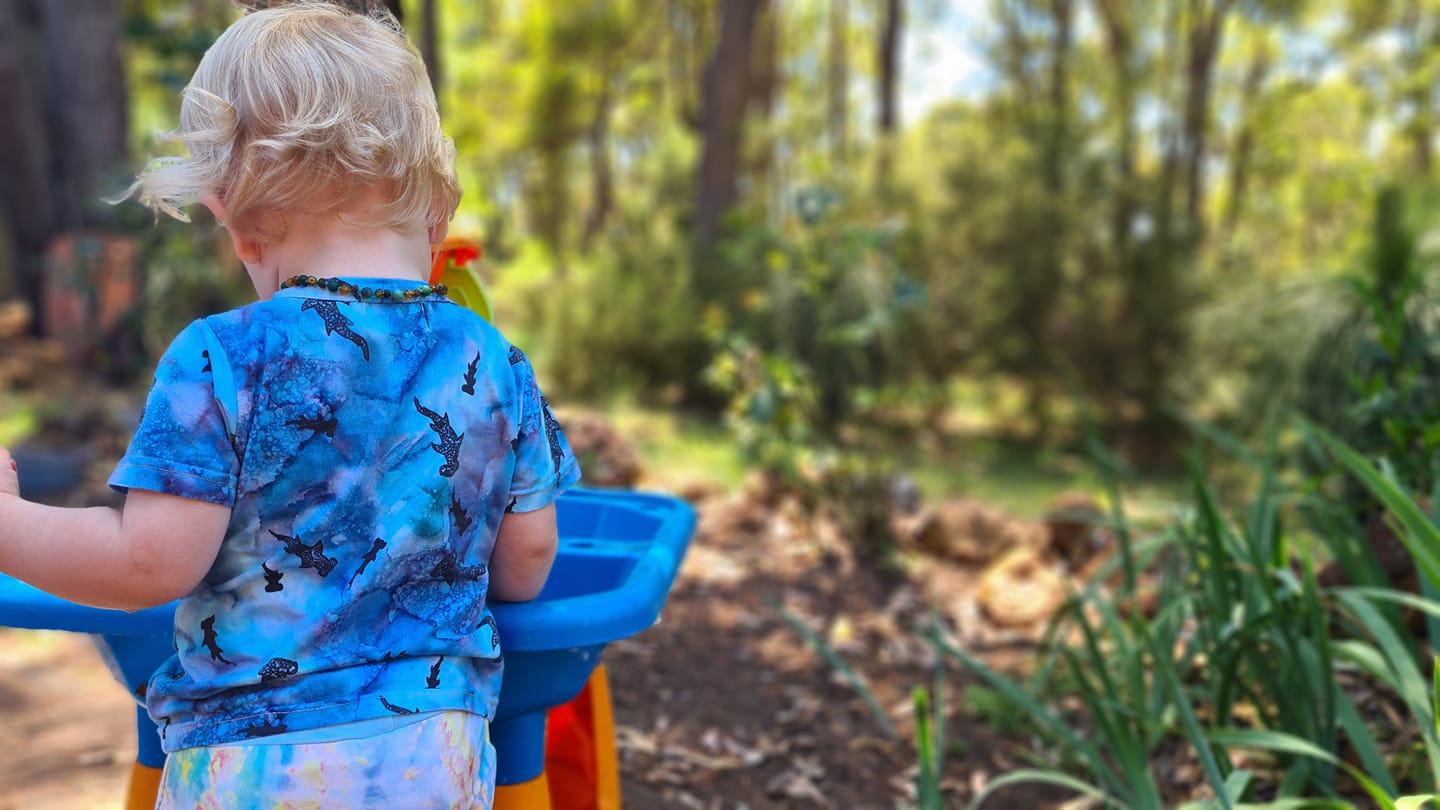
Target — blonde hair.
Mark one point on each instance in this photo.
(306, 108)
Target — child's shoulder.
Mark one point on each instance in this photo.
(459, 328)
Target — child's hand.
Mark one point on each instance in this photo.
(9, 475)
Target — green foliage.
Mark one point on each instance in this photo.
(930, 750)
(1235, 631)
(622, 319)
(1050, 216)
(164, 44)
(813, 321)
(1371, 379)
(825, 294)
(813, 324)
(185, 278)
(772, 405)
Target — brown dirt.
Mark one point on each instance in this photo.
(68, 728)
(723, 705)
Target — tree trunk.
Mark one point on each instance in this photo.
(62, 87)
(838, 83)
(430, 44)
(887, 73)
(25, 145)
(1245, 140)
(602, 175)
(1120, 48)
(1170, 132)
(686, 31)
(887, 79)
(1207, 27)
(88, 102)
(765, 93)
(765, 77)
(726, 93)
(1057, 151)
(1418, 53)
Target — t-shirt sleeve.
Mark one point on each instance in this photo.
(544, 465)
(184, 445)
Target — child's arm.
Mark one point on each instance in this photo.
(524, 551)
(155, 551)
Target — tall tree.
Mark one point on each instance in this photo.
(887, 101)
(765, 86)
(66, 123)
(1205, 36)
(1037, 48)
(430, 43)
(1117, 19)
(602, 174)
(837, 90)
(1243, 153)
(726, 93)
(887, 68)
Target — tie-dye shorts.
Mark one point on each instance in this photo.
(441, 760)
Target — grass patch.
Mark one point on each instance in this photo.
(678, 446)
(1023, 479)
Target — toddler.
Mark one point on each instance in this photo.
(334, 480)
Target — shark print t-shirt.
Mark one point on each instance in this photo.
(368, 451)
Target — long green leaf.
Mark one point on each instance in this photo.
(1435, 695)
(1369, 659)
(1290, 744)
(1035, 776)
(1420, 537)
(1358, 733)
(1044, 717)
(1237, 783)
(1110, 468)
(927, 781)
(1165, 668)
(1288, 803)
(1420, 603)
(938, 718)
(834, 659)
(1115, 733)
(1415, 690)
(1300, 804)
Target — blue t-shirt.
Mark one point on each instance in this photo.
(368, 451)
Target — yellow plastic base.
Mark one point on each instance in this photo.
(532, 795)
(607, 764)
(144, 787)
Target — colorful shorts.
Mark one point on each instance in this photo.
(443, 760)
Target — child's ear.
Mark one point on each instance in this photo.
(439, 231)
(246, 248)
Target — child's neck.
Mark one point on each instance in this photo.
(329, 247)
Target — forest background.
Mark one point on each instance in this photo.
(1143, 204)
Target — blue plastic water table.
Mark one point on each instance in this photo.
(619, 555)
